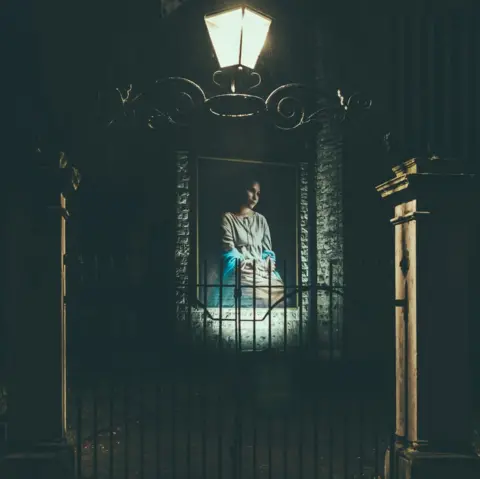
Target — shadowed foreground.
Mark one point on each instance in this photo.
(250, 418)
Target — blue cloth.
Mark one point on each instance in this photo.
(231, 259)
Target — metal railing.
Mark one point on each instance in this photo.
(103, 296)
(178, 409)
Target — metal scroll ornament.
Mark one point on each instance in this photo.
(179, 101)
(176, 100)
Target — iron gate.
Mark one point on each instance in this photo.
(197, 408)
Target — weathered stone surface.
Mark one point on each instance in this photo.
(182, 250)
(329, 205)
(304, 253)
(264, 332)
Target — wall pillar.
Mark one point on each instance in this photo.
(36, 327)
(329, 231)
(432, 200)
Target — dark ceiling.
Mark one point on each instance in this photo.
(63, 54)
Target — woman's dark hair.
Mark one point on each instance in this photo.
(237, 191)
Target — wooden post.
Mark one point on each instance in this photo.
(432, 200)
(36, 326)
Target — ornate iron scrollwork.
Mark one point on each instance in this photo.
(175, 99)
(286, 107)
(178, 100)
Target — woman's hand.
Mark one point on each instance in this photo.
(245, 264)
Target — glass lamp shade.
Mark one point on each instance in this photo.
(238, 36)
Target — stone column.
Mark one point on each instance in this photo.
(329, 171)
(35, 317)
(432, 200)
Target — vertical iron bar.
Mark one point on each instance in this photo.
(269, 439)
(240, 309)
(190, 375)
(220, 308)
(316, 453)
(236, 299)
(285, 445)
(174, 424)
(220, 434)
(204, 430)
(285, 293)
(188, 418)
(220, 408)
(339, 311)
(345, 441)
(141, 398)
(204, 386)
(158, 425)
(126, 407)
(111, 427)
(254, 347)
(331, 442)
(79, 431)
(300, 442)
(220, 396)
(239, 384)
(269, 360)
(360, 434)
(269, 305)
(95, 429)
(332, 405)
(285, 346)
(235, 449)
(205, 299)
(239, 448)
(254, 440)
(254, 296)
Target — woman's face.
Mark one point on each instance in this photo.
(253, 195)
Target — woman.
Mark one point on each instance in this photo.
(248, 258)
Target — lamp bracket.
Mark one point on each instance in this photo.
(178, 101)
